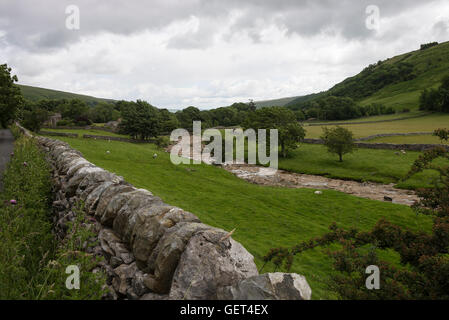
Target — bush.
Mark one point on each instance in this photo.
(82, 121)
(428, 45)
(33, 120)
(162, 141)
(64, 123)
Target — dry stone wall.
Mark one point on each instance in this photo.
(386, 146)
(153, 250)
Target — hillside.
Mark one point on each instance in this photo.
(36, 93)
(396, 82)
(274, 102)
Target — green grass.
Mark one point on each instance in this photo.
(25, 228)
(275, 102)
(431, 66)
(426, 123)
(382, 166)
(418, 139)
(265, 217)
(80, 132)
(384, 117)
(36, 93)
(32, 261)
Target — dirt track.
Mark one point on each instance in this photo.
(6, 147)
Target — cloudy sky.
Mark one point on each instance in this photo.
(208, 53)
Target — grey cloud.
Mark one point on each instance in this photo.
(35, 26)
(441, 28)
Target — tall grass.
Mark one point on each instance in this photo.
(32, 262)
(26, 239)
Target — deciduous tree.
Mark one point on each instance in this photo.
(338, 140)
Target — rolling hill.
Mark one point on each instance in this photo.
(274, 102)
(396, 82)
(36, 93)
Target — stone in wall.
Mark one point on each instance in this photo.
(210, 260)
(269, 286)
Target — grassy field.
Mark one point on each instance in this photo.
(265, 217)
(382, 166)
(426, 123)
(384, 117)
(80, 132)
(418, 139)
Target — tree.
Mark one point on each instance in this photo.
(33, 119)
(436, 99)
(103, 112)
(169, 122)
(74, 109)
(10, 96)
(443, 134)
(290, 132)
(251, 105)
(140, 119)
(338, 140)
(187, 116)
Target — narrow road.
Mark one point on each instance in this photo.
(6, 147)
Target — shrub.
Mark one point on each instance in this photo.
(428, 45)
(162, 141)
(64, 123)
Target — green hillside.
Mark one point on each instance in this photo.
(274, 102)
(396, 82)
(35, 94)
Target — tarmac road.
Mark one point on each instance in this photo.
(6, 147)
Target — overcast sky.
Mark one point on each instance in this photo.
(208, 53)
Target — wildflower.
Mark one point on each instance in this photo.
(13, 202)
(25, 164)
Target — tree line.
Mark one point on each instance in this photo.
(436, 99)
(337, 108)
